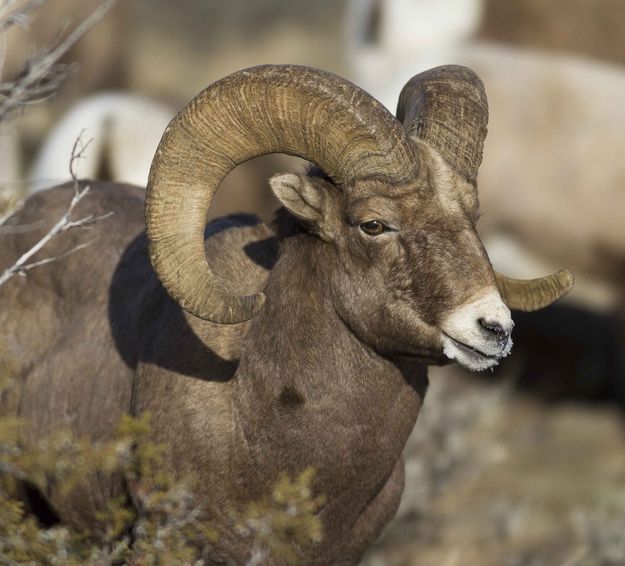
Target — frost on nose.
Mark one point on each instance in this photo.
(477, 335)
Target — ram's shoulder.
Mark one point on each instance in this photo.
(241, 250)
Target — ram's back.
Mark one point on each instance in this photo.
(76, 328)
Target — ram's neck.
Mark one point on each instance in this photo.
(309, 393)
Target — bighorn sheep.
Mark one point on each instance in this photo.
(556, 135)
(125, 130)
(320, 361)
(10, 172)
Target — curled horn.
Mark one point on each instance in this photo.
(267, 109)
(446, 107)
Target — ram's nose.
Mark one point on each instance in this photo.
(478, 333)
(495, 330)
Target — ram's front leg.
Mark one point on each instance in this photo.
(374, 517)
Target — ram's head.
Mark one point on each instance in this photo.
(393, 213)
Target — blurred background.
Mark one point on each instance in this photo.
(525, 465)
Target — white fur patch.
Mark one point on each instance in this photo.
(468, 342)
(469, 358)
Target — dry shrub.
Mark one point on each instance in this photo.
(158, 522)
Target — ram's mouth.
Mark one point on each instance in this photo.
(469, 356)
(470, 348)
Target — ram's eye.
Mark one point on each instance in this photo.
(373, 227)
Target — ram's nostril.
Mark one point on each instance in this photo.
(494, 328)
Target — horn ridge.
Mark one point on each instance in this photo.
(534, 294)
(447, 108)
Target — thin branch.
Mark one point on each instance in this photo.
(78, 152)
(24, 268)
(19, 17)
(61, 225)
(23, 264)
(6, 4)
(43, 75)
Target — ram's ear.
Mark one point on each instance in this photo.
(307, 198)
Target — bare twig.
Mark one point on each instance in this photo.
(42, 74)
(23, 264)
(19, 17)
(26, 267)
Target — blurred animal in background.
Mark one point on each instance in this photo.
(41, 44)
(10, 172)
(272, 355)
(36, 146)
(124, 131)
(592, 29)
(551, 186)
(381, 37)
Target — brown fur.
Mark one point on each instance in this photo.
(330, 374)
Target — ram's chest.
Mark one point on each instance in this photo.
(352, 440)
